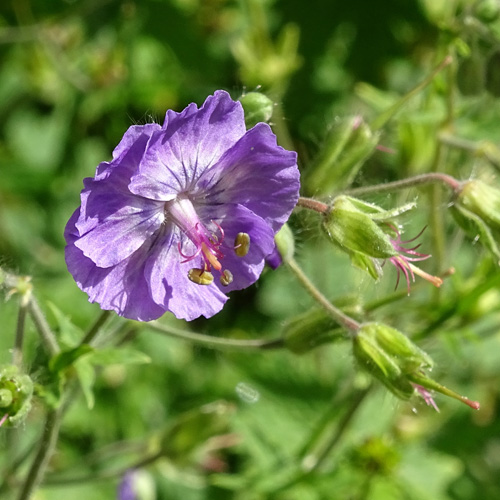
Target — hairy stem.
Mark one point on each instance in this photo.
(418, 180)
(46, 449)
(94, 329)
(17, 351)
(217, 342)
(48, 337)
(312, 204)
(341, 318)
(107, 474)
(384, 117)
(314, 461)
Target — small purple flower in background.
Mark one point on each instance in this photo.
(126, 490)
(179, 203)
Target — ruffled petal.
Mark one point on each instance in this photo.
(128, 153)
(169, 284)
(188, 144)
(121, 288)
(256, 173)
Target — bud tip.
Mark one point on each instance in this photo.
(475, 405)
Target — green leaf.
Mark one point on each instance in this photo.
(86, 377)
(67, 358)
(68, 332)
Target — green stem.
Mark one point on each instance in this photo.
(314, 462)
(15, 462)
(436, 220)
(312, 204)
(17, 351)
(311, 462)
(46, 449)
(216, 342)
(459, 143)
(94, 329)
(99, 476)
(341, 318)
(279, 123)
(385, 116)
(43, 327)
(418, 180)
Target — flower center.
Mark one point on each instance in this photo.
(208, 244)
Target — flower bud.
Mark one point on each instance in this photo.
(348, 144)
(389, 356)
(398, 363)
(477, 210)
(316, 327)
(15, 395)
(257, 107)
(358, 228)
(487, 10)
(285, 247)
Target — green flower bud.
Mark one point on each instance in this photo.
(16, 391)
(347, 146)
(360, 229)
(388, 367)
(398, 363)
(477, 210)
(315, 327)
(471, 75)
(257, 107)
(487, 10)
(399, 346)
(493, 74)
(285, 242)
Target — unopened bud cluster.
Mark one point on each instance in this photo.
(393, 359)
(361, 230)
(16, 390)
(390, 356)
(477, 210)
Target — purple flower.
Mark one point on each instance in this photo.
(179, 203)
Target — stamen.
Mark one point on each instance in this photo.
(200, 276)
(241, 244)
(226, 278)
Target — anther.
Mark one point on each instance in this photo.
(200, 276)
(241, 244)
(226, 278)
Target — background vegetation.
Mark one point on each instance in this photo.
(256, 424)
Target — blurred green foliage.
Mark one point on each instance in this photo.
(74, 74)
